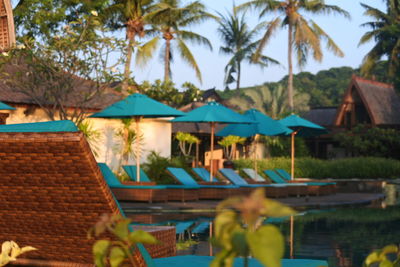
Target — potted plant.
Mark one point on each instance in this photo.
(186, 141)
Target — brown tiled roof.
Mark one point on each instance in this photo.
(324, 116)
(100, 101)
(7, 31)
(51, 193)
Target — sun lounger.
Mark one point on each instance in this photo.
(270, 189)
(255, 176)
(53, 191)
(131, 171)
(327, 187)
(148, 193)
(201, 227)
(204, 175)
(174, 192)
(298, 188)
(205, 191)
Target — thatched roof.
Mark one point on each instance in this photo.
(380, 100)
(324, 116)
(7, 31)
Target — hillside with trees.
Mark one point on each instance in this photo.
(325, 88)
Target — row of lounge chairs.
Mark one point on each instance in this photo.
(191, 190)
(52, 191)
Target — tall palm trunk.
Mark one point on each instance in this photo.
(127, 70)
(238, 75)
(290, 65)
(167, 59)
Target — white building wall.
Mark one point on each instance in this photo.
(156, 135)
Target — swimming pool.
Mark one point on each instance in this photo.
(342, 236)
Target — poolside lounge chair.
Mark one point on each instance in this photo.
(270, 189)
(328, 187)
(205, 191)
(307, 188)
(52, 192)
(255, 176)
(204, 175)
(175, 192)
(131, 171)
(148, 193)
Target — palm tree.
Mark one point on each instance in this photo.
(238, 41)
(131, 15)
(169, 18)
(385, 30)
(304, 36)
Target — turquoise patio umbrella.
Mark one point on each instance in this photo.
(213, 113)
(137, 106)
(264, 125)
(303, 128)
(4, 106)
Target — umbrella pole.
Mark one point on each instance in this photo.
(292, 170)
(212, 151)
(291, 236)
(255, 157)
(137, 120)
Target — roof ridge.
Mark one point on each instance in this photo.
(358, 78)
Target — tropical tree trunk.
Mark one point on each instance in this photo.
(290, 66)
(238, 76)
(167, 59)
(127, 70)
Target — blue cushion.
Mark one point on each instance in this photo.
(40, 127)
(113, 181)
(284, 174)
(204, 174)
(203, 261)
(275, 177)
(131, 171)
(233, 177)
(182, 176)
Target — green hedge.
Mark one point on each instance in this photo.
(362, 167)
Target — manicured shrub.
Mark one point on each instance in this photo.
(362, 167)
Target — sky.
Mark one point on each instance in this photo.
(346, 33)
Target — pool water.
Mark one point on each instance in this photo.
(342, 236)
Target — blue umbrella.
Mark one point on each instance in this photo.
(213, 113)
(5, 107)
(137, 106)
(301, 127)
(264, 126)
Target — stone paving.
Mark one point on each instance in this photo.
(339, 199)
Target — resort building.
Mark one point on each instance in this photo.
(367, 102)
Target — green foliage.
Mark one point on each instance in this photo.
(362, 167)
(92, 135)
(10, 251)
(281, 146)
(65, 73)
(239, 42)
(184, 245)
(229, 145)
(375, 142)
(186, 141)
(172, 19)
(239, 233)
(167, 93)
(127, 139)
(156, 165)
(385, 31)
(118, 251)
(389, 256)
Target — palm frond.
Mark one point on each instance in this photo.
(195, 38)
(187, 56)
(272, 26)
(331, 45)
(146, 51)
